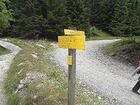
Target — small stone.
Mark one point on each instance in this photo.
(34, 97)
(39, 86)
(34, 56)
(16, 92)
(20, 64)
(52, 44)
(85, 92)
(39, 45)
(22, 81)
(27, 81)
(20, 71)
(57, 65)
(99, 98)
(20, 86)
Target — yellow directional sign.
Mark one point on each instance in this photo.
(71, 42)
(69, 60)
(73, 32)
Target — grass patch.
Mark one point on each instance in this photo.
(97, 34)
(124, 41)
(116, 45)
(137, 38)
(126, 50)
(3, 50)
(49, 87)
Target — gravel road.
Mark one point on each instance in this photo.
(5, 61)
(101, 73)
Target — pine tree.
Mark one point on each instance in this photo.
(38, 18)
(5, 15)
(137, 30)
(48, 18)
(78, 14)
(101, 12)
(133, 20)
(120, 14)
(56, 18)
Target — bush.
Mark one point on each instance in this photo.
(94, 31)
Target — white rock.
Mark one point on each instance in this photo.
(20, 86)
(16, 92)
(53, 44)
(34, 56)
(20, 64)
(39, 86)
(22, 81)
(34, 97)
(99, 98)
(39, 45)
(20, 71)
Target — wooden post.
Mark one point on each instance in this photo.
(72, 75)
(72, 42)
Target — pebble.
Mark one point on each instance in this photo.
(35, 96)
(29, 78)
(99, 98)
(39, 45)
(20, 71)
(34, 56)
(20, 64)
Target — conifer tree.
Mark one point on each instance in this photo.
(133, 20)
(119, 17)
(101, 12)
(43, 18)
(5, 15)
(38, 18)
(78, 14)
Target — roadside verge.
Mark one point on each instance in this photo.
(34, 78)
(5, 61)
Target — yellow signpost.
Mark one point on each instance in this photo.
(69, 60)
(74, 32)
(73, 40)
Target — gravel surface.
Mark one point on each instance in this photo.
(101, 73)
(5, 61)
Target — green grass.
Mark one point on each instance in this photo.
(3, 50)
(125, 50)
(125, 41)
(96, 34)
(116, 45)
(48, 90)
(137, 38)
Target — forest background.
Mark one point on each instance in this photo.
(47, 18)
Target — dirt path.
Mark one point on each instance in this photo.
(101, 73)
(5, 61)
